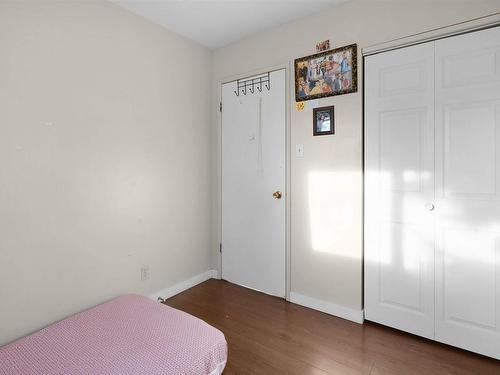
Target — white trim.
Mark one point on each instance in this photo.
(327, 307)
(289, 78)
(184, 285)
(479, 23)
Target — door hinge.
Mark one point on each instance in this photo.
(220, 248)
(220, 106)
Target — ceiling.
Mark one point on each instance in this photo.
(216, 23)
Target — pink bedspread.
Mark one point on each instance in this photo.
(128, 335)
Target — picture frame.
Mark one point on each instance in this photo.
(323, 46)
(324, 120)
(327, 73)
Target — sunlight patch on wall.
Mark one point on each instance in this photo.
(332, 218)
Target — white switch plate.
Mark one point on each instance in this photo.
(299, 150)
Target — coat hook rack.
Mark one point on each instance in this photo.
(245, 85)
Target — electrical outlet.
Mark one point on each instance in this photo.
(144, 273)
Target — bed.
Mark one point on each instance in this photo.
(128, 335)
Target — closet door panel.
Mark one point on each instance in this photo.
(468, 191)
(399, 186)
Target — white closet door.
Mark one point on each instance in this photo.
(399, 189)
(253, 169)
(468, 191)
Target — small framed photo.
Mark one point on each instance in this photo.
(324, 120)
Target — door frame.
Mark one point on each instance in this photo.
(475, 24)
(288, 78)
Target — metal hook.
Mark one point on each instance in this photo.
(268, 84)
(237, 91)
(244, 90)
(259, 86)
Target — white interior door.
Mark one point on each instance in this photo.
(253, 169)
(468, 191)
(399, 189)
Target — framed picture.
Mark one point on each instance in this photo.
(327, 73)
(323, 46)
(324, 120)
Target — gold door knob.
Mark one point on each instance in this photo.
(277, 195)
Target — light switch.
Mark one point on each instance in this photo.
(299, 150)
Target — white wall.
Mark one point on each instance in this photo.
(105, 152)
(104, 159)
(326, 185)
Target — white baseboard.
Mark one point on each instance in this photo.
(327, 307)
(184, 285)
(313, 303)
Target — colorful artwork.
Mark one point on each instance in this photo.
(327, 73)
(323, 46)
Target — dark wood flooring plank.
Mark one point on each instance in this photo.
(267, 335)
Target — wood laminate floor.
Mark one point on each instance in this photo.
(267, 335)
